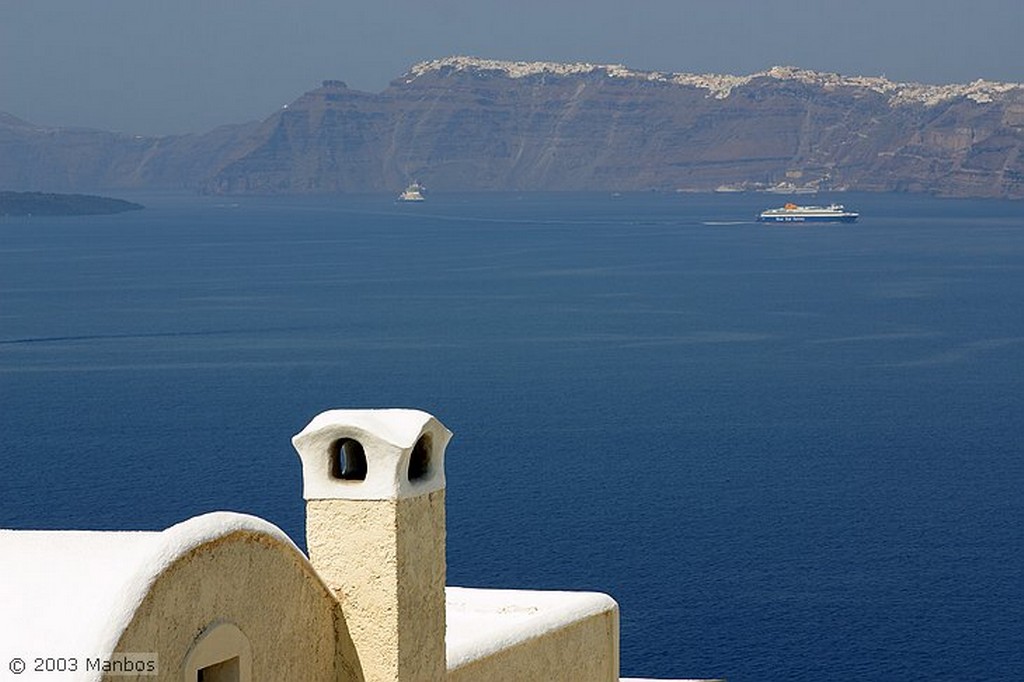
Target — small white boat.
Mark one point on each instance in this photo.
(413, 192)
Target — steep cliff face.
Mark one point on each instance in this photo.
(329, 140)
(468, 124)
(78, 159)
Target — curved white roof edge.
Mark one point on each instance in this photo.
(83, 588)
(174, 543)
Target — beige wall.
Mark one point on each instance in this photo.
(263, 586)
(584, 651)
(385, 559)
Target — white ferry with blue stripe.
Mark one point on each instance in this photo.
(791, 213)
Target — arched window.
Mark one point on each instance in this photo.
(419, 459)
(348, 460)
(221, 653)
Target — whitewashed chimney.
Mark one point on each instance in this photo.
(374, 486)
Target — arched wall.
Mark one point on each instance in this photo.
(263, 586)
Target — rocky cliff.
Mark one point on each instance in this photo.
(78, 159)
(468, 124)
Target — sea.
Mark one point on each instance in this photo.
(789, 452)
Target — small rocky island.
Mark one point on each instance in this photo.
(42, 203)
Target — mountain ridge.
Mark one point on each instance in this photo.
(465, 124)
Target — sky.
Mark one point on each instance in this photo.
(174, 66)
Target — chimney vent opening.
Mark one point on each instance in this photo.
(419, 459)
(348, 460)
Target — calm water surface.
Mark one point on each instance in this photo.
(790, 453)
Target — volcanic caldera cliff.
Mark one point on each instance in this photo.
(461, 124)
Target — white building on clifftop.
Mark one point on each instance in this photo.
(226, 597)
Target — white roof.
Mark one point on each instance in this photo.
(72, 593)
(481, 622)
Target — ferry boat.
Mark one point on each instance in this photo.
(791, 213)
(413, 192)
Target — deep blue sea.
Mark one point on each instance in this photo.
(790, 453)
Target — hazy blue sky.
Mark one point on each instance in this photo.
(167, 66)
